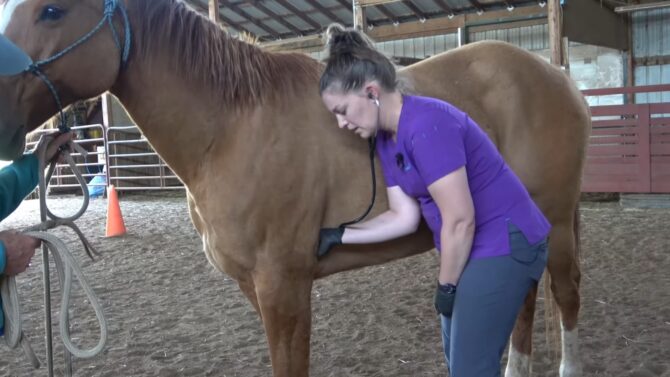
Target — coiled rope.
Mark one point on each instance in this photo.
(66, 266)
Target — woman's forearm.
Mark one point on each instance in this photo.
(386, 226)
(456, 240)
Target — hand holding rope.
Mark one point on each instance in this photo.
(65, 263)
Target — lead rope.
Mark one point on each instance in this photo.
(66, 266)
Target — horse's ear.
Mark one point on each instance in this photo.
(14, 59)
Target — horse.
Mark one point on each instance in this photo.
(265, 166)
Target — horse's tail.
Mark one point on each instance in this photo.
(552, 314)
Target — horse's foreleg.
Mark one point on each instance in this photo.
(284, 299)
(520, 349)
(565, 276)
(249, 289)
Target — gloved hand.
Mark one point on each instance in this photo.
(329, 237)
(444, 299)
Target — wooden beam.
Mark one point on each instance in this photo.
(214, 10)
(521, 16)
(503, 16)
(434, 26)
(639, 7)
(369, 3)
(446, 25)
(295, 44)
(555, 31)
(509, 25)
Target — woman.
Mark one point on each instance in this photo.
(438, 163)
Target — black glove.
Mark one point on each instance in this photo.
(444, 299)
(329, 237)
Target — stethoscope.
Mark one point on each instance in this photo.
(372, 143)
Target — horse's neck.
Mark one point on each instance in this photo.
(178, 121)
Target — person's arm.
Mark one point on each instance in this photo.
(440, 157)
(452, 196)
(402, 218)
(20, 178)
(16, 182)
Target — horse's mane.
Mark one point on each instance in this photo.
(238, 73)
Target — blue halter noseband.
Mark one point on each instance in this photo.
(111, 6)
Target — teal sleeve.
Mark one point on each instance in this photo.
(3, 260)
(16, 182)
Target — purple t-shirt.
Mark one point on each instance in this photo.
(434, 139)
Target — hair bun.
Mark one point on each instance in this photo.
(334, 31)
(345, 40)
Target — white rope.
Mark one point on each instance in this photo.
(66, 266)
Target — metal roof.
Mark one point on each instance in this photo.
(281, 19)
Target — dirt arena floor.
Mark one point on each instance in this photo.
(171, 314)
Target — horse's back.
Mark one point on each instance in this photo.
(531, 110)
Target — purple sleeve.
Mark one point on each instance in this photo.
(437, 146)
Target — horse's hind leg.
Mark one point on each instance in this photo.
(520, 348)
(284, 300)
(565, 276)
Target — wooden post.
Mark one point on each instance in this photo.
(565, 55)
(630, 62)
(555, 21)
(359, 16)
(214, 10)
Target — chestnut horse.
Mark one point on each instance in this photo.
(265, 165)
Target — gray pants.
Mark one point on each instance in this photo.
(489, 296)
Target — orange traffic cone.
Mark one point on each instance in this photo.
(115, 225)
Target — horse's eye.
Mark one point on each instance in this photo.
(51, 13)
